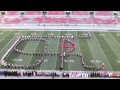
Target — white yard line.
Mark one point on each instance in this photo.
(78, 43)
(114, 39)
(24, 47)
(34, 51)
(103, 52)
(90, 30)
(43, 61)
(68, 59)
(91, 51)
(8, 43)
(5, 36)
(57, 50)
(110, 46)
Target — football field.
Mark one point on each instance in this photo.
(103, 47)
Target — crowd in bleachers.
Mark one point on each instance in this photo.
(12, 12)
(55, 12)
(61, 20)
(61, 17)
(80, 12)
(32, 12)
(53, 74)
(104, 13)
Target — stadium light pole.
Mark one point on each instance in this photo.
(67, 15)
(2, 13)
(44, 15)
(21, 15)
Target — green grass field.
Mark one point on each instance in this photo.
(103, 47)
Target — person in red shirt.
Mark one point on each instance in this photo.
(103, 66)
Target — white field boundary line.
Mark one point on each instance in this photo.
(8, 43)
(110, 46)
(34, 49)
(91, 50)
(103, 30)
(103, 52)
(67, 30)
(57, 51)
(23, 49)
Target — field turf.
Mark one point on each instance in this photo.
(103, 47)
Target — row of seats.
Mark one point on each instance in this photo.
(103, 13)
(61, 20)
(106, 21)
(35, 12)
(80, 13)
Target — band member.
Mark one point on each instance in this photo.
(103, 66)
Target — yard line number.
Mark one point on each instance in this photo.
(95, 61)
(71, 61)
(16, 33)
(118, 34)
(1, 33)
(50, 34)
(33, 33)
(118, 61)
(17, 60)
(102, 34)
(45, 60)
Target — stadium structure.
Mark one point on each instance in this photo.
(59, 44)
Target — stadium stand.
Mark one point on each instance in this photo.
(105, 20)
(38, 19)
(11, 20)
(59, 17)
(12, 12)
(104, 13)
(73, 20)
(32, 12)
(80, 13)
(55, 12)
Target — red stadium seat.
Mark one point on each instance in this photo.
(80, 13)
(32, 12)
(12, 12)
(104, 13)
(55, 12)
